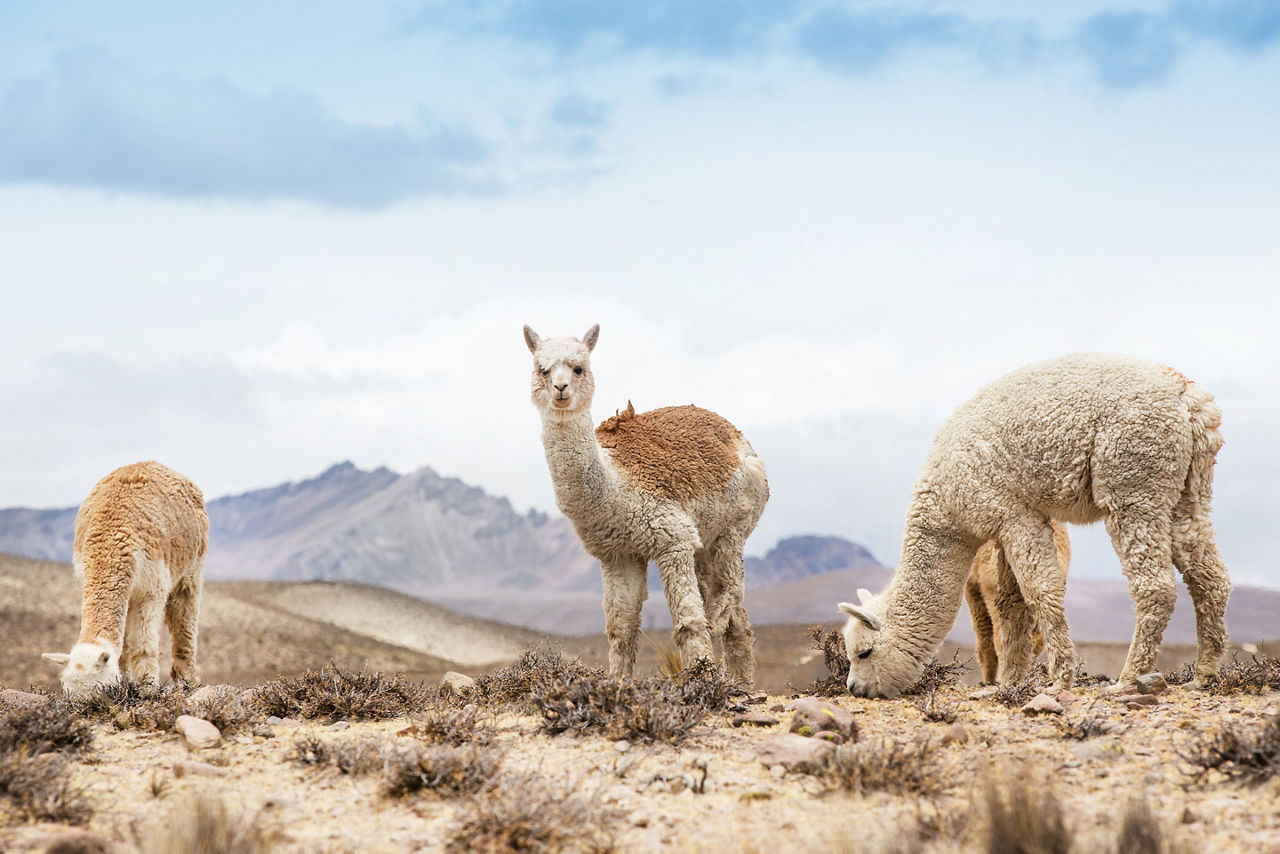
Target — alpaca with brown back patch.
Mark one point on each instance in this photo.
(140, 543)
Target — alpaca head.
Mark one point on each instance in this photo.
(877, 667)
(562, 384)
(89, 666)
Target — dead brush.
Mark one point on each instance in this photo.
(1245, 754)
(1261, 673)
(1142, 832)
(1022, 815)
(528, 812)
(39, 788)
(935, 712)
(37, 729)
(670, 662)
(446, 770)
(885, 765)
(830, 643)
(450, 726)
(1084, 727)
(540, 664)
(224, 707)
(1020, 693)
(130, 704)
(333, 694)
(937, 676)
(203, 821)
(353, 756)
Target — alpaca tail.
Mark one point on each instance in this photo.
(1206, 417)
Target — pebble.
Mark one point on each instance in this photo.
(198, 732)
(813, 715)
(757, 718)
(264, 731)
(957, 733)
(456, 683)
(793, 752)
(198, 769)
(622, 745)
(1042, 704)
(338, 726)
(1152, 683)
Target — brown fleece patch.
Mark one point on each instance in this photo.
(678, 452)
(1174, 372)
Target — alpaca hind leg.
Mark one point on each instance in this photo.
(690, 631)
(1014, 621)
(982, 631)
(624, 595)
(739, 642)
(181, 614)
(1143, 542)
(722, 566)
(1195, 553)
(1029, 549)
(140, 657)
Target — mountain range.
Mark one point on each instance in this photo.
(445, 541)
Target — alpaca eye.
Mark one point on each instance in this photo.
(578, 370)
(546, 371)
(864, 653)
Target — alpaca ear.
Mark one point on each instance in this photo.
(58, 658)
(865, 595)
(867, 618)
(531, 338)
(592, 336)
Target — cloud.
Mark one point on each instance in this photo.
(579, 111)
(91, 122)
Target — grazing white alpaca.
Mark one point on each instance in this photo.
(140, 543)
(989, 578)
(1079, 438)
(679, 486)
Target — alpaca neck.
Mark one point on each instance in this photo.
(581, 478)
(924, 597)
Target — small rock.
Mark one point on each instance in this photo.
(11, 699)
(1071, 763)
(831, 736)
(622, 745)
(984, 693)
(264, 731)
(793, 752)
(77, 842)
(1042, 704)
(757, 698)
(203, 694)
(1188, 817)
(338, 726)
(1152, 683)
(957, 733)
(777, 771)
(456, 683)
(198, 732)
(777, 708)
(813, 715)
(198, 769)
(244, 739)
(1154, 778)
(287, 723)
(1138, 700)
(1065, 697)
(274, 719)
(757, 718)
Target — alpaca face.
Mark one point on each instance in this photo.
(877, 668)
(561, 383)
(89, 666)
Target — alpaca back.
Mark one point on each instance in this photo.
(677, 452)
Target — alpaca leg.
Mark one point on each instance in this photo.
(1195, 553)
(1029, 548)
(723, 565)
(981, 617)
(1143, 541)
(739, 641)
(1014, 620)
(691, 632)
(624, 595)
(181, 614)
(140, 657)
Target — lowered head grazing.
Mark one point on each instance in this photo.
(562, 384)
(89, 666)
(876, 668)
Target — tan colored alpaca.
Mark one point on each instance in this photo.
(983, 590)
(140, 543)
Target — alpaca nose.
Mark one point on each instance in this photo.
(562, 387)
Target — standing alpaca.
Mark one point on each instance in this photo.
(140, 543)
(990, 570)
(1079, 438)
(679, 486)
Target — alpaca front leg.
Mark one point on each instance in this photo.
(690, 631)
(1033, 558)
(140, 658)
(1013, 664)
(624, 595)
(982, 631)
(739, 642)
(181, 615)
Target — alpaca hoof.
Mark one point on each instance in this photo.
(1121, 686)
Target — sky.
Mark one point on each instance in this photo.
(252, 240)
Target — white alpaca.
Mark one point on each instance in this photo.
(140, 543)
(679, 486)
(989, 579)
(1079, 438)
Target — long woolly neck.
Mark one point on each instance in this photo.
(581, 477)
(108, 580)
(923, 599)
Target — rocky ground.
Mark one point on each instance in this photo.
(921, 773)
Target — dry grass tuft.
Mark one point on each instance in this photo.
(130, 704)
(887, 765)
(1256, 676)
(935, 712)
(540, 665)
(444, 769)
(670, 662)
(204, 822)
(39, 788)
(1245, 754)
(830, 643)
(652, 709)
(1020, 693)
(44, 729)
(1023, 815)
(225, 707)
(527, 812)
(332, 694)
(1142, 832)
(451, 726)
(1087, 726)
(940, 676)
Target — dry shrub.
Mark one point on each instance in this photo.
(203, 822)
(538, 665)
(1183, 674)
(223, 706)
(444, 769)
(44, 728)
(886, 765)
(1142, 832)
(652, 709)
(130, 704)
(830, 643)
(332, 694)
(451, 726)
(1246, 754)
(1023, 817)
(527, 812)
(1020, 693)
(935, 712)
(39, 788)
(1256, 676)
(937, 675)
